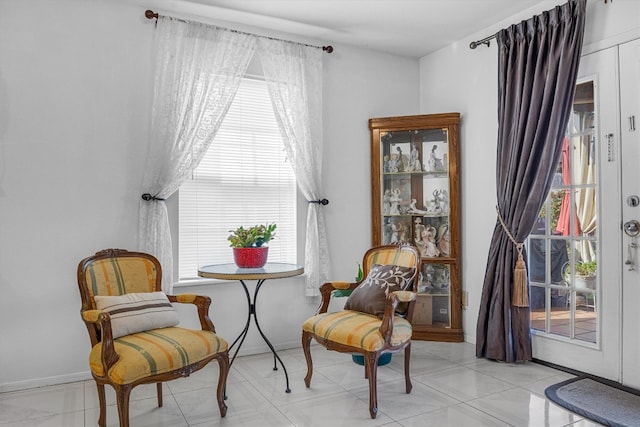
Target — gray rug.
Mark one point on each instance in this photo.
(602, 403)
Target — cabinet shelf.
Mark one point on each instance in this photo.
(429, 214)
(415, 199)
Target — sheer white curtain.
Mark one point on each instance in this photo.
(198, 70)
(294, 77)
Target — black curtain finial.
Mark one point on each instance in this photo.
(322, 202)
(148, 197)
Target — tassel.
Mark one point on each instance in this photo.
(520, 292)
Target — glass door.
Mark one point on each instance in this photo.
(573, 252)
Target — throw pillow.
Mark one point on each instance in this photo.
(137, 312)
(372, 293)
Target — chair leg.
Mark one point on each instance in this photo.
(102, 420)
(122, 399)
(159, 388)
(306, 347)
(223, 362)
(371, 366)
(407, 359)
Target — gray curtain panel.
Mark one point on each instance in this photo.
(538, 65)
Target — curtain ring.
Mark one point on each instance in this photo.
(322, 202)
(148, 197)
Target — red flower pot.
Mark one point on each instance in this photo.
(250, 257)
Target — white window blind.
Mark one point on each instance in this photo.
(244, 179)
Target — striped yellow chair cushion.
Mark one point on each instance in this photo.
(356, 329)
(156, 351)
(391, 256)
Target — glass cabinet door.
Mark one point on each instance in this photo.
(415, 200)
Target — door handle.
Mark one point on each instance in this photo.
(631, 228)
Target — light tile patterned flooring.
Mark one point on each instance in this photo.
(451, 387)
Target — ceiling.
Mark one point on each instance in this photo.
(412, 28)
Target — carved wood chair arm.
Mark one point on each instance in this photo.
(326, 290)
(386, 327)
(108, 355)
(202, 303)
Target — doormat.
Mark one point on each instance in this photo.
(600, 402)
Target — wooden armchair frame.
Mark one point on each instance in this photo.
(98, 325)
(385, 329)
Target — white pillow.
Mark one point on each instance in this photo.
(137, 312)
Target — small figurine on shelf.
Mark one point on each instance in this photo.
(385, 164)
(429, 241)
(394, 201)
(428, 279)
(443, 279)
(413, 209)
(400, 161)
(386, 202)
(386, 232)
(403, 233)
(419, 226)
(414, 159)
(396, 232)
(444, 240)
(434, 164)
(418, 230)
(440, 201)
(393, 164)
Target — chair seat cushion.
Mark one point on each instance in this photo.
(356, 329)
(155, 352)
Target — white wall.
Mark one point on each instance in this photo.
(75, 80)
(74, 117)
(458, 78)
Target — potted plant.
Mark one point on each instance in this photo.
(586, 274)
(248, 244)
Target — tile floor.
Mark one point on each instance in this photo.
(450, 388)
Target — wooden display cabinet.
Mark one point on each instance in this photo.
(416, 199)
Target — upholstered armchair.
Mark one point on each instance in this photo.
(377, 315)
(133, 329)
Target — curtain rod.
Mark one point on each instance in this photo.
(485, 40)
(150, 14)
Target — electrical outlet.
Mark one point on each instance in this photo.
(465, 299)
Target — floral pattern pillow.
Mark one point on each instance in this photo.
(372, 293)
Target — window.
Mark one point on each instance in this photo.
(563, 246)
(244, 179)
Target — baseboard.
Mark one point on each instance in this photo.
(43, 382)
(577, 373)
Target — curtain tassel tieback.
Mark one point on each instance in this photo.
(520, 291)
